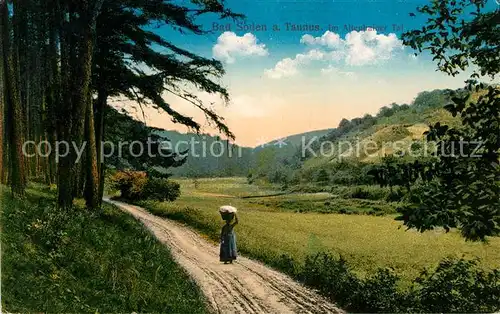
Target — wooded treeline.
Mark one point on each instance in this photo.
(62, 60)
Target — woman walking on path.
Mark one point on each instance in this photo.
(228, 251)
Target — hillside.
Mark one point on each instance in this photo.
(284, 160)
(293, 140)
(378, 136)
(79, 261)
(362, 142)
(395, 128)
(207, 156)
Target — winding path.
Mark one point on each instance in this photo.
(243, 287)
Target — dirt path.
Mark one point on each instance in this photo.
(243, 287)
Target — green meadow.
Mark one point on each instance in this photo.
(267, 229)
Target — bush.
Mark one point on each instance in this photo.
(378, 293)
(362, 193)
(323, 177)
(286, 264)
(344, 177)
(331, 276)
(135, 186)
(366, 192)
(161, 190)
(129, 183)
(395, 196)
(456, 285)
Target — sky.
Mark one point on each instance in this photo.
(298, 66)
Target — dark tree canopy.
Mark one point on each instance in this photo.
(63, 60)
(136, 136)
(135, 62)
(465, 186)
(459, 34)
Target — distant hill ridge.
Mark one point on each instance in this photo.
(392, 122)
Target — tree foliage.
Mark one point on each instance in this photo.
(466, 180)
(395, 171)
(156, 157)
(459, 34)
(63, 60)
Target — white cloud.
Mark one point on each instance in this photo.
(358, 48)
(289, 67)
(368, 47)
(284, 68)
(330, 69)
(329, 39)
(229, 46)
(333, 71)
(335, 55)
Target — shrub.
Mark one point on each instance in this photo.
(395, 196)
(331, 276)
(378, 293)
(359, 192)
(161, 190)
(456, 285)
(135, 186)
(366, 192)
(322, 177)
(344, 177)
(250, 178)
(129, 183)
(286, 264)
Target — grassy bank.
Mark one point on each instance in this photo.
(79, 261)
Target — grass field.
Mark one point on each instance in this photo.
(86, 262)
(266, 231)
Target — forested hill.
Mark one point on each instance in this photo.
(282, 159)
(207, 155)
(395, 122)
(293, 140)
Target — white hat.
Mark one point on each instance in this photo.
(227, 209)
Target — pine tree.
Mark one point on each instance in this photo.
(63, 60)
(14, 114)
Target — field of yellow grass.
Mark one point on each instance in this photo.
(367, 242)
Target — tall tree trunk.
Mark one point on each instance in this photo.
(65, 165)
(2, 106)
(81, 66)
(91, 168)
(80, 177)
(20, 53)
(14, 112)
(53, 93)
(101, 103)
